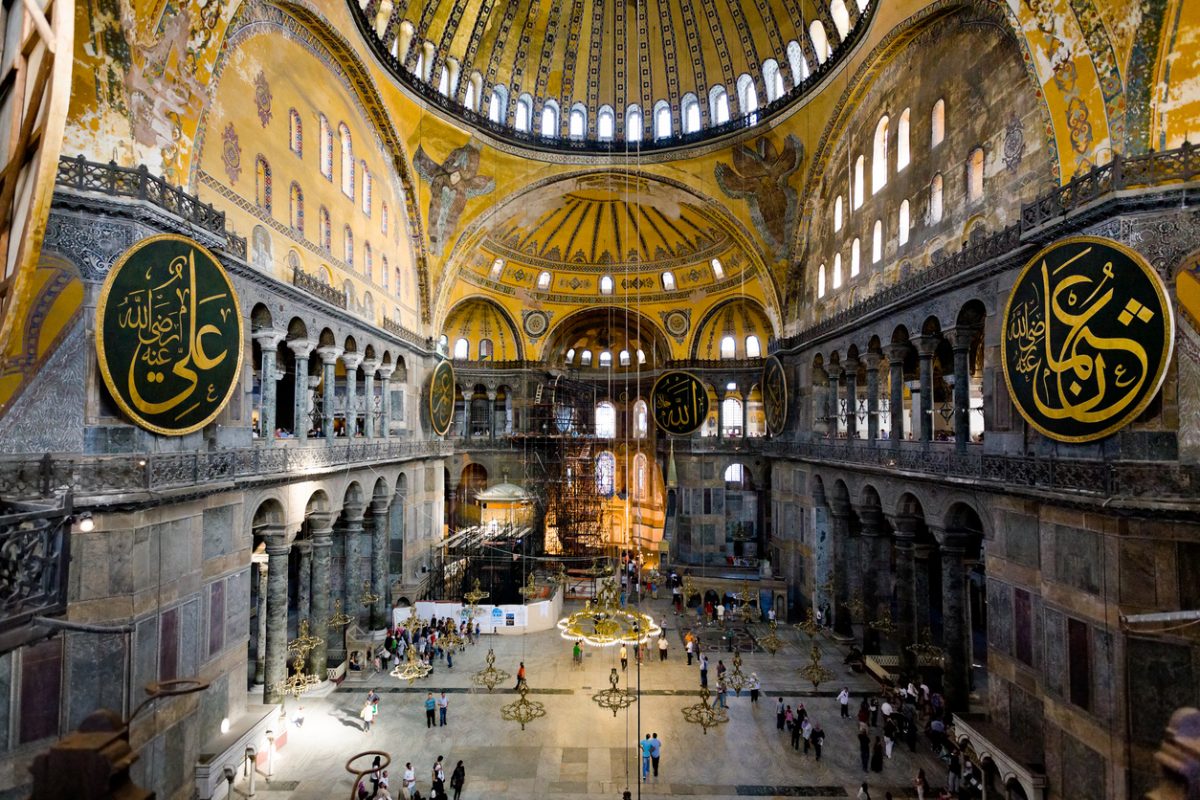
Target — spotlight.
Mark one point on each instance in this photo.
(225, 725)
(85, 522)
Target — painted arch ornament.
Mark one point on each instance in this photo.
(1087, 335)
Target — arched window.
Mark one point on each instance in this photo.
(837, 214)
(295, 133)
(902, 223)
(605, 120)
(731, 413)
(543, 281)
(606, 414)
(462, 350)
(735, 474)
(443, 344)
(935, 199)
(623, 359)
(585, 358)
(975, 175)
(747, 96)
(662, 120)
(397, 276)
(383, 219)
(428, 56)
(718, 105)
(718, 269)
(641, 356)
(639, 472)
(471, 96)
(728, 347)
(641, 419)
(498, 107)
(606, 473)
(938, 123)
(902, 157)
(753, 348)
(368, 261)
(772, 80)
(633, 123)
(690, 112)
(855, 255)
(606, 284)
(570, 355)
(404, 41)
(820, 43)
(859, 181)
(524, 115)
(326, 148)
(668, 281)
(841, 18)
(347, 161)
(368, 306)
(550, 119)
(448, 83)
(348, 246)
(296, 208)
(877, 242)
(497, 269)
(325, 235)
(261, 254)
(262, 184)
(348, 293)
(605, 359)
(837, 271)
(384, 272)
(821, 281)
(879, 156)
(577, 122)
(485, 349)
(797, 61)
(367, 187)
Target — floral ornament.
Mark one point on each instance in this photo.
(262, 98)
(231, 153)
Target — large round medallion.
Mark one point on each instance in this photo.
(441, 397)
(774, 391)
(680, 403)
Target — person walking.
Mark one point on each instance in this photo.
(367, 715)
(689, 647)
(889, 736)
(577, 654)
(520, 675)
(720, 669)
(373, 699)
(381, 786)
(863, 792)
(442, 704)
(662, 647)
(430, 706)
(873, 711)
(779, 715)
(624, 658)
(703, 671)
(920, 784)
(655, 753)
(844, 701)
(754, 686)
(721, 691)
(458, 778)
(877, 755)
(806, 730)
(646, 747)
(818, 739)
(797, 729)
(864, 750)
(438, 787)
(953, 773)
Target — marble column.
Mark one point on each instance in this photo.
(851, 367)
(260, 660)
(304, 576)
(268, 341)
(926, 346)
(955, 627)
(960, 342)
(275, 670)
(380, 533)
(871, 364)
(905, 532)
(301, 348)
(875, 594)
(922, 563)
(839, 517)
(385, 387)
(369, 366)
(329, 357)
(491, 396)
(820, 404)
(835, 380)
(321, 530)
(896, 354)
(350, 529)
(721, 414)
(745, 410)
(351, 361)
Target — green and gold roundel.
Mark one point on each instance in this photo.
(1086, 338)
(441, 397)
(680, 403)
(774, 392)
(169, 335)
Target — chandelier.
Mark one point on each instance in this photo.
(304, 642)
(368, 597)
(857, 608)
(809, 625)
(523, 710)
(745, 610)
(703, 714)
(489, 676)
(604, 622)
(735, 679)
(298, 682)
(814, 671)
(339, 620)
(771, 642)
(530, 590)
(411, 669)
(884, 625)
(614, 698)
(925, 650)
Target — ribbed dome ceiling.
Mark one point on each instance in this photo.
(520, 68)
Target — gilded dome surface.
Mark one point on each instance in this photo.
(604, 75)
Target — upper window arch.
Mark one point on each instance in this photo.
(747, 96)
(347, 160)
(821, 281)
(859, 182)
(662, 120)
(368, 187)
(326, 154)
(837, 214)
(668, 281)
(937, 123)
(633, 123)
(728, 346)
(753, 347)
(577, 121)
(606, 415)
(325, 233)
(935, 199)
(902, 153)
(820, 42)
(841, 18)
(295, 133)
(605, 123)
(690, 113)
(498, 107)
(641, 419)
(718, 105)
(474, 93)
(383, 218)
(772, 80)
(879, 156)
(262, 184)
(549, 126)
(462, 350)
(348, 246)
(606, 284)
(543, 281)
(797, 62)
(296, 208)
(523, 119)
(975, 175)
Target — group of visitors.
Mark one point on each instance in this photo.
(801, 727)
(377, 785)
(428, 641)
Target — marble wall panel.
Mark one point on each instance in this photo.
(1000, 617)
(1054, 651)
(1020, 532)
(237, 608)
(1084, 772)
(190, 636)
(6, 682)
(218, 532)
(1104, 674)
(1139, 582)
(95, 674)
(1076, 556)
(1026, 717)
(145, 653)
(1166, 680)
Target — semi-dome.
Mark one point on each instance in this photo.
(598, 77)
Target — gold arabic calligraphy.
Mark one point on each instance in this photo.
(680, 403)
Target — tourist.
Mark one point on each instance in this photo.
(624, 657)
(818, 739)
(789, 719)
(655, 753)
(381, 787)
(864, 713)
(780, 715)
(688, 646)
(408, 783)
(458, 778)
(954, 772)
(367, 715)
(806, 731)
(889, 736)
(920, 784)
(873, 711)
(703, 671)
(721, 691)
(438, 789)
(577, 654)
(877, 755)
(520, 675)
(863, 792)
(373, 699)
(720, 669)
(844, 700)
(647, 747)
(442, 704)
(864, 749)
(754, 686)
(430, 706)
(796, 728)
(662, 647)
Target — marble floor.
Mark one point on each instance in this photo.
(580, 750)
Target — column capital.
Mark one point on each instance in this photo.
(329, 354)
(954, 542)
(302, 546)
(268, 338)
(905, 527)
(926, 344)
(370, 365)
(839, 508)
(872, 521)
(276, 539)
(871, 361)
(301, 347)
(385, 371)
(896, 351)
(353, 512)
(379, 506)
(352, 360)
(960, 337)
(320, 524)
(850, 365)
(835, 371)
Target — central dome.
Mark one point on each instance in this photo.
(603, 75)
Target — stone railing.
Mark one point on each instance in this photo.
(97, 475)
(412, 337)
(314, 286)
(137, 183)
(34, 560)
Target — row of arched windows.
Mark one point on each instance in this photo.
(605, 358)
(547, 120)
(606, 285)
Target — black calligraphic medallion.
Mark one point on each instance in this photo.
(774, 391)
(169, 335)
(441, 397)
(680, 403)
(1087, 337)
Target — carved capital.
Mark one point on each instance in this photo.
(329, 354)
(896, 352)
(871, 361)
(268, 338)
(960, 338)
(369, 366)
(926, 344)
(352, 360)
(301, 347)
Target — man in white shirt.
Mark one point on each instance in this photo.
(409, 783)
(844, 701)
